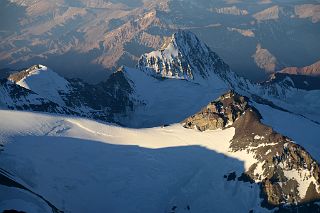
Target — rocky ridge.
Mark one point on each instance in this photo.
(102, 101)
(311, 70)
(231, 11)
(271, 13)
(302, 82)
(311, 11)
(286, 172)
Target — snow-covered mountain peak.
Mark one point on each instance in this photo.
(43, 81)
(16, 77)
(183, 57)
(185, 41)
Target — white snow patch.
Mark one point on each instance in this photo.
(269, 151)
(258, 137)
(265, 144)
(304, 178)
(259, 171)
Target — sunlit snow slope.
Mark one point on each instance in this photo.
(44, 82)
(84, 166)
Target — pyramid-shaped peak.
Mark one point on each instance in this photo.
(43, 81)
(185, 57)
(184, 41)
(183, 38)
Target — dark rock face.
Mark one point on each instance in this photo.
(104, 100)
(218, 114)
(312, 207)
(12, 211)
(118, 87)
(278, 157)
(287, 173)
(231, 176)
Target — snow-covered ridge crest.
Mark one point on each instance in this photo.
(184, 57)
(43, 81)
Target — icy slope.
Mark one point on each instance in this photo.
(13, 96)
(44, 82)
(168, 101)
(298, 94)
(104, 168)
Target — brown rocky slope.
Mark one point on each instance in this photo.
(311, 70)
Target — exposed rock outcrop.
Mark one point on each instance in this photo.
(231, 11)
(264, 59)
(271, 13)
(286, 171)
(16, 77)
(218, 114)
(311, 11)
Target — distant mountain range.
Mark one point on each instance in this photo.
(311, 70)
(183, 94)
(91, 39)
(178, 73)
